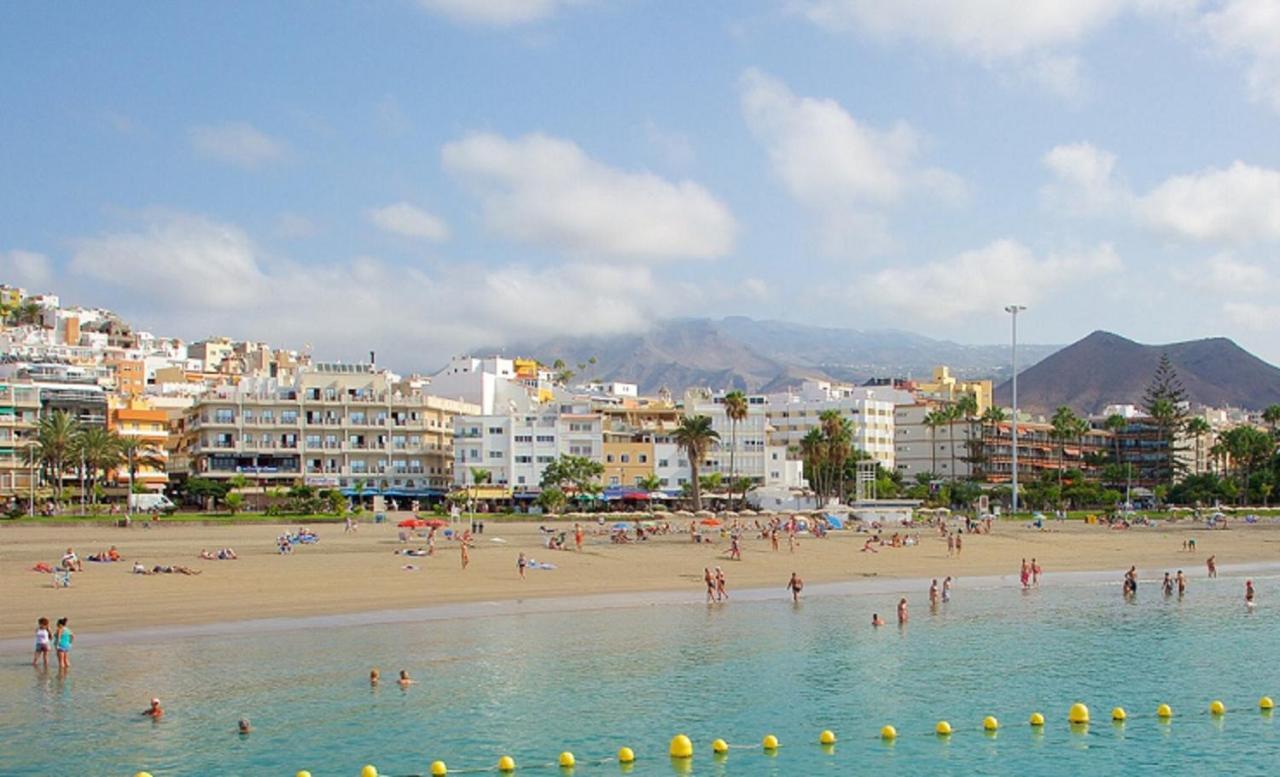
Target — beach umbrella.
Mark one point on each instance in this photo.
(621, 526)
(710, 522)
(412, 523)
(728, 514)
(435, 523)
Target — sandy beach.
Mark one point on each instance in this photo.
(358, 572)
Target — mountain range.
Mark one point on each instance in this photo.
(1105, 368)
(755, 355)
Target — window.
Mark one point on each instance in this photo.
(644, 458)
(287, 416)
(224, 415)
(524, 438)
(495, 430)
(626, 458)
(495, 454)
(664, 463)
(546, 438)
(609, 458)
(357, 417)
(524, 459)
(613, 481)
(545, 459)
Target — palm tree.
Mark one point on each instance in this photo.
(735, 409)
(1065, 424)
(837, 431)
(813, 451)
(99, 450)
(1115, 423)
(480, 476)
(1272, 416)
(993, 416)
(138, 452)
(933, 419)
(966, 408)
(650, 482)
(56, 440)
(694, 436)
(1198, 427)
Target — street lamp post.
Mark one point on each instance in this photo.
(1013, 311)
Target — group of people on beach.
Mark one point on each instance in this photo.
(58, 640)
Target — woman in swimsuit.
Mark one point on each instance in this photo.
(946, 589)
(902, 611)
(721, 593)
(63, 639)
(521, 563)
(43, 642)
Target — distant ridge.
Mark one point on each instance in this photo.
(1105, 368)
(755, 355)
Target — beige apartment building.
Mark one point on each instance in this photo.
(336, 426)
(19, 422)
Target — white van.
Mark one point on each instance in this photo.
(151, 503)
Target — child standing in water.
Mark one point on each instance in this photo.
(43, 642)
(62, 640)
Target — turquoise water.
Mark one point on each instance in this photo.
(533, 685)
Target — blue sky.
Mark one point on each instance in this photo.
(424, 177)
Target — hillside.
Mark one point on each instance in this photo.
(1105, 368)
(754, 355)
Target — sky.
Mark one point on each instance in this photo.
(428, 177)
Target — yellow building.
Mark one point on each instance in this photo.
(945, 387)
(134, 417)
(627, 462)
(129, 375)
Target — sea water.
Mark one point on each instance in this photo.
(533, 685)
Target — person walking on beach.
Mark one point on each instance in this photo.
(951, 545)
(795, 585)
(466, 555)
(577, 536)
(1212, 564)
(521, 563)
(721, 592)
(710, 581)
(959, 540)
(773, 537)
(62, 639)
(735, 546)
(43, 642)
(902, 611)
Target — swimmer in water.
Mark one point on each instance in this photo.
(876, 620)
(245, 728)
(374, 676)
(1181, 579)
(795, 585)
(1167, 584)
(1248, 593)
(946, 589)
(933, 592)
(405, 680)
(155, 711)
(902, 611)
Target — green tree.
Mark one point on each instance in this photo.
(933, 420)
(337, 502)
(837, 432)
(735, 409)
(694, 436)
(1271, 415)
(966, 409)
(1115, 423)
(480, 476)
(1248, 448)
(992, 417)
(1164, 401)
(99, 451)
(56, 438)
(572, 472)
(234, 502)
(813, 452)
(650, 483)
(1065, 426)
(139, 452)
(551, 499)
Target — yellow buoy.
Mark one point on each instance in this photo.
(369, 770)
(943, 729)
(989, 723)
(142, 774)
(303, 773)
(626, 755)
(506, 764)
(1217, 708)
(1078, 713)
(1164, 712)
(1037, 719)
(681, 746)
(1265, 703)
(1118, 715)
(438, 769)
(827, 737)
(567, 760)
(720, 746)
(770, 742)
(888, 732)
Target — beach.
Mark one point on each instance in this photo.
(357, 572)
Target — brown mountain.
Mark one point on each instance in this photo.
(1105, 368)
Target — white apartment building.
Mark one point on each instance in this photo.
(792, 415)
(755, 456)
(337, 425)
(515, 448)
(918, 449)
(491, 383)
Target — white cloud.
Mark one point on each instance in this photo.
(295, 226)
(407, 220)
(1240, 203)
(546, 191)
(1252, 315)
(237, 143)
(25, 268)
(497, 13)
(838, 167)
(1250, 30)
(1226, 276)
(1237, 204)
(191, 276)
(983, 280)
(982, 29)
(177, 259)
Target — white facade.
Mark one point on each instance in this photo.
(755, 456)
(490, 383)
(516, 447)
(918, 449)
(792, 415)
